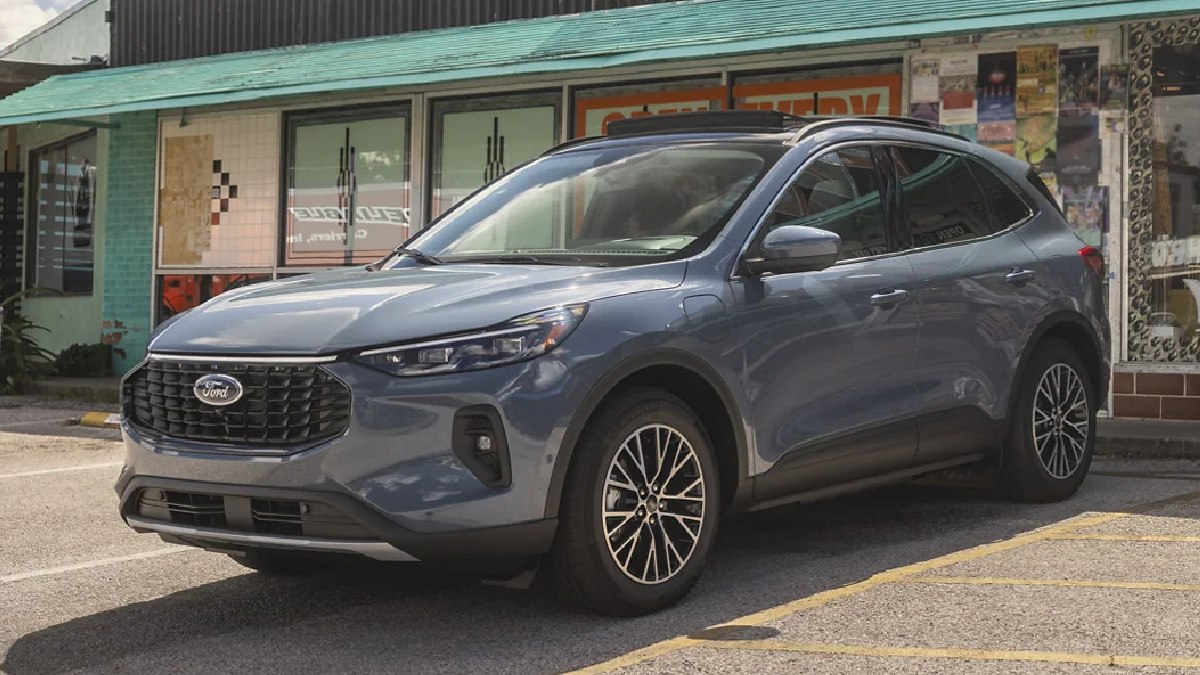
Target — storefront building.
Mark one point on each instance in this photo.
(228, 170)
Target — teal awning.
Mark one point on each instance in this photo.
(685, 30)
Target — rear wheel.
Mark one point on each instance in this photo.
(640, 507)
(1053, 433)
(280, 564)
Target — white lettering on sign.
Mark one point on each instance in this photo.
(363, 215)
(864, 101)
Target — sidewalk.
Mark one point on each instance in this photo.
(1148, 438)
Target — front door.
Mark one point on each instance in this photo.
(828, 355)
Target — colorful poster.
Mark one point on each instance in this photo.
(1037, 80)
(1114, 86)
(1086, 209)
(1078, 147)
(1036, 142)
(1079, 78)
(828, 96)
(1000, 135)
(996, 86)
(956, 88)
(924, 79)
(928, 111)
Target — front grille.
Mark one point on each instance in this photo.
(247, 514)
(281, 405)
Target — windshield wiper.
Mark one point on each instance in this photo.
(419, 256)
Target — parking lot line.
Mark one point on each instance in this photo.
(1071, 536)
(40, 472)
(956, 654)
(50, 571)
(1068, 583)
(888, 577)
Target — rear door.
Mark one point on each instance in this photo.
(976, 292)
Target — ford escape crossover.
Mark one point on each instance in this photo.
(584, 365)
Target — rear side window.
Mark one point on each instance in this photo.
(943, 203)
(1038, 184)
(1008, 208)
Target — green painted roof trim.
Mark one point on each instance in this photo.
(691, 29)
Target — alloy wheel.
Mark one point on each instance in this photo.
(653, 504)
(1061, 421)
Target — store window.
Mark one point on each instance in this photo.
(839, 192)
(597, 107)
(347, 200)
(62, 250)
(477, 141)
(1175, 248)
(865, 89)
(180, 292)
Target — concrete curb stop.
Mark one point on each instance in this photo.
(101, 420)
(1148, 439)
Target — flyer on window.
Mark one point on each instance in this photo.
(928, 111)
(1037, 80)
(1078, 147)
(924, 78)
(999, 136)
(1114, 86)
(1079, 78)
(996, 86)
(956, 88)
(1037, 141)
(1086, 209)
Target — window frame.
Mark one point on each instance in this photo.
(974, 164)
(32, 195)
(886, 208)
(291, 120)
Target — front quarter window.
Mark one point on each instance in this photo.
(605, 206)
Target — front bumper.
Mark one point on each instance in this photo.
(393, 472)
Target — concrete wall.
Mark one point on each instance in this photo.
(76, 318)
(129, 239)
(71, 38)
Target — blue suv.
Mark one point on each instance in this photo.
(583, 366)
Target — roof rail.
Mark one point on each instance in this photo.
(713, 120)
(887, 120)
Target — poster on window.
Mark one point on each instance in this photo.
(999, 135)
(1037, 142)
(996, 86)
(930, 111)
(1114, 86)
(1037, 80)
(956, 88)
(1086, 209)
(924, 79)
(828, 96)
(1079, 78)
(593, 115)
(1078, 147)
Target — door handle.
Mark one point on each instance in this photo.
(1020, 276)
(889, 298)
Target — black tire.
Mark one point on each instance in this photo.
(582, 567)
(280, 564)
(1024, 475)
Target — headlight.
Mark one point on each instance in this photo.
(521, 339)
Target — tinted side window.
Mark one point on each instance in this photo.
(942, 201)
(838, 192)
(1008, 208)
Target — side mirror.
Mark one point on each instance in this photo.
(795, 248)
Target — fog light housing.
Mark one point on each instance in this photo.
(480, 444)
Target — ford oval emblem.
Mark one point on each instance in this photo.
(218, 390)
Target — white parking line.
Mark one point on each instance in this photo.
(39, 472)
(92, 563)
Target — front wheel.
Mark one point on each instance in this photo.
(640, 507)
(1053, 433)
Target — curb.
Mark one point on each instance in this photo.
(101, 420)
(1148, 448)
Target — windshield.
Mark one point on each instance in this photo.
(607, 206)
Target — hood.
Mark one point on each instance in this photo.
(347, 309)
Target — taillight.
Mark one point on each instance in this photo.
(1094, 259)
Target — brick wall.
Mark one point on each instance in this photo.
(1167, 396)
(129, 239)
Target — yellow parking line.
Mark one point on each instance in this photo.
(958, 654)
(1071, 536)
(890, 576)
(1066, 583)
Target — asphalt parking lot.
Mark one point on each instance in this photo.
(910, 579)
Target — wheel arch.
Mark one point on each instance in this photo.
(1074, 329)
(697, 384)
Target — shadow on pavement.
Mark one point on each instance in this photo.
(387, 619)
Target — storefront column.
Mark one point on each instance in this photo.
(129, 239)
